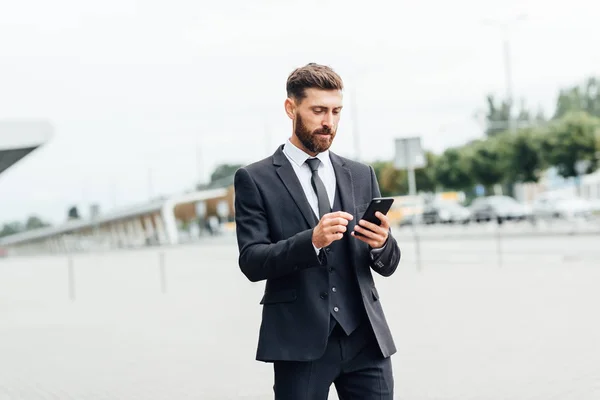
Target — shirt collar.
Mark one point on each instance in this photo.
(299, 156)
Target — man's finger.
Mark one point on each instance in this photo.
(385, 221)
(366, 232)
(371, 242)
(336, 221)
(371, 226)
(340, 221)
(342, 214)
(336, 228)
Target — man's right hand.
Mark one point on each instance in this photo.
(330, 228)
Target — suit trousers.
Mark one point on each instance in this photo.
(354, 364)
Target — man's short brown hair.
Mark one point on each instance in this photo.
(314, 76)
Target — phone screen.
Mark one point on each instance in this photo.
(381, 204)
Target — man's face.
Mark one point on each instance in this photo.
(316, 119)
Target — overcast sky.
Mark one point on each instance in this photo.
(135, 88)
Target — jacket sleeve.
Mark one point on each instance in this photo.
(259, 257)
(386, 261)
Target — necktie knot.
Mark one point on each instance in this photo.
(313, 163)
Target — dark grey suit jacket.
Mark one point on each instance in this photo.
(274, 224)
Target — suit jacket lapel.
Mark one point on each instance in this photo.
(290, 180)
(345, 186)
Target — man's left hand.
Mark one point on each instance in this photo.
(372, 234)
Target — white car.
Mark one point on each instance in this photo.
(564, 207)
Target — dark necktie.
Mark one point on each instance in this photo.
(319, 187)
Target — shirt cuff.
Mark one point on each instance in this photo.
(376, 252)
(317, 250)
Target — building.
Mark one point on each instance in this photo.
(159, 222)
(164, 221)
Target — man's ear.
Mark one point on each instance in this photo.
(290, 108)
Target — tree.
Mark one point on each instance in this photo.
(34, 222)
(524, 114)
(579, 98)
(540, 117)
(378, 167)
(224, 171)
(73, 213)
(497, 117)
(425, 177)
(451, 170)
(392, 182)
(523, 155)
(11, 228)
(486, 162)
(575, 137)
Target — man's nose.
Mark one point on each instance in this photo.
(327, 120)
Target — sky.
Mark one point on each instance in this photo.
(148, 97)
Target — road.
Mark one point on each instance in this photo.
(473, 318)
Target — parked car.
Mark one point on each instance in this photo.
(445, 212)
(561, 206)
(499, 208)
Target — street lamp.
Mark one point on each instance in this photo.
(357, 78)
(504, 26)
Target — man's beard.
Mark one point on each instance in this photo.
(310, 140)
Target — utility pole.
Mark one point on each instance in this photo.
(504, 26)
(358, 76)
(354, 117)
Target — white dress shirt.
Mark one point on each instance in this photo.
(325, 171)
(297, 158)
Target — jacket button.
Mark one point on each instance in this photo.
(336, 309)
(323, 295)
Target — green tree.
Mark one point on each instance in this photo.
(425, 177)
(523, 155)
(585, 97)
(392, 182)
(451, 170)
(573, 138)
(34, 222)
(11, 228)
(497, 117)
(378, 167)
(224, 171)
(486, 161)
(73, 213)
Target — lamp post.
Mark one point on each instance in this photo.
(357, 78)
(505, 26)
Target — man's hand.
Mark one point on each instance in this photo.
(330, 228)
(372, 234)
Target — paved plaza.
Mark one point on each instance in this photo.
(473, 318)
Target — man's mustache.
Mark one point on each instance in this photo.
(322, 131)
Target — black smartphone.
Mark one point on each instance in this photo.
(381, 204)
